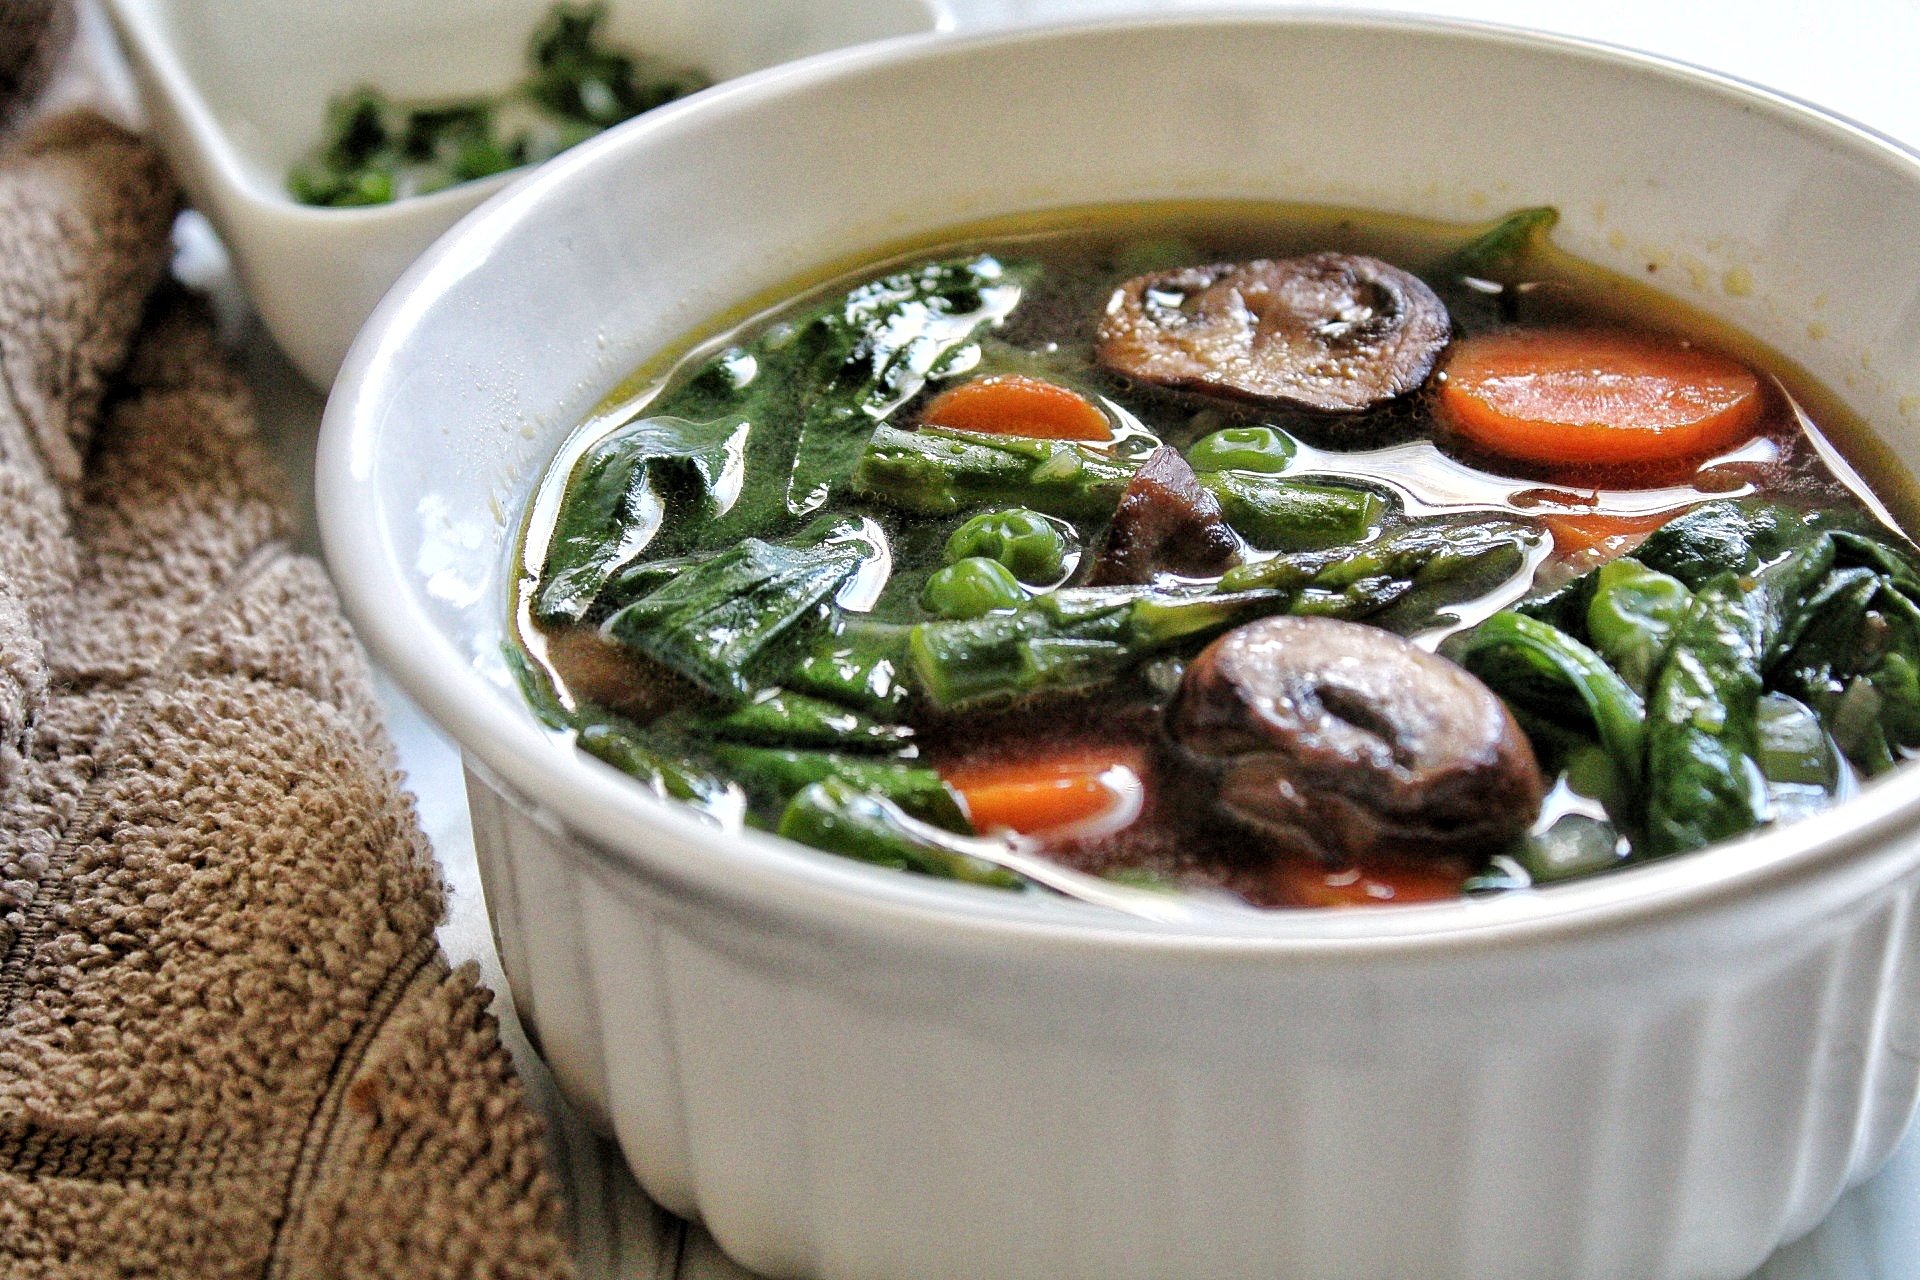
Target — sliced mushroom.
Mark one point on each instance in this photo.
(1349, 743)
(1165, 523)
(1330, 331)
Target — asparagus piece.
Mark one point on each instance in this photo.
(1414, 570)
(937, 471)
(773, 776)
(844, 819)
(782, 718)
(665, 774)
(1080, 636)
(861, 664)
(1295, 515)
(1066, 639)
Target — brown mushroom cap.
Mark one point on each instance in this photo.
(1350, 743)
(1330, 331)
(1166, 522)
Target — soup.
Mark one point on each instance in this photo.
(1308, 558)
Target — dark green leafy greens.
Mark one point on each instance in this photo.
(725, 621)
(376, 149)
(1500, 253)
(1769, 646)
(814, 390)
(580, 79)
(1552, 679)
(759, 436)
(877, 350)
(650, 473)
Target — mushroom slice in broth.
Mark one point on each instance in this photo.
(1350, 743)
(1335, 332)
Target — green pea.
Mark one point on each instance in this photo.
(1026, 542)
(1242, 449)
(971, 588)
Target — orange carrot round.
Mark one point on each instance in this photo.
(1590, 397)
(1312, 885)
(1041, 795)
(1600, 537)
(1012, 404)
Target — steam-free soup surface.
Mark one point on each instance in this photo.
(1316, 559)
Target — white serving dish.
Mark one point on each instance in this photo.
(237, 93)
(849, 1073)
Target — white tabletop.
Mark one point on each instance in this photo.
(1854, 57)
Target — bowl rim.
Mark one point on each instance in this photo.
(614, 822)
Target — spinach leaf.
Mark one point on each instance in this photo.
(813, 390)
(1500, 253)
(1855, 654)
(1796, 756)
(1735, 535)
(1550, 675)
(727, 623)
(876, 350)
(647, 474)
(1631, 617)
(1704, 782)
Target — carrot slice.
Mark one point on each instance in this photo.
(1597, 537)
(1013, 404)
(1569, 396)
(1310, 885)
(1046, 794)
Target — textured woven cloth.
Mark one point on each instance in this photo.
(229, 1043)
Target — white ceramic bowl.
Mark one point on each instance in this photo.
(853, 1073)
(237, 93)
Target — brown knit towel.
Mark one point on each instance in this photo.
(229, 1043)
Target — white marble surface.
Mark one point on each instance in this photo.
(1856, 57)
